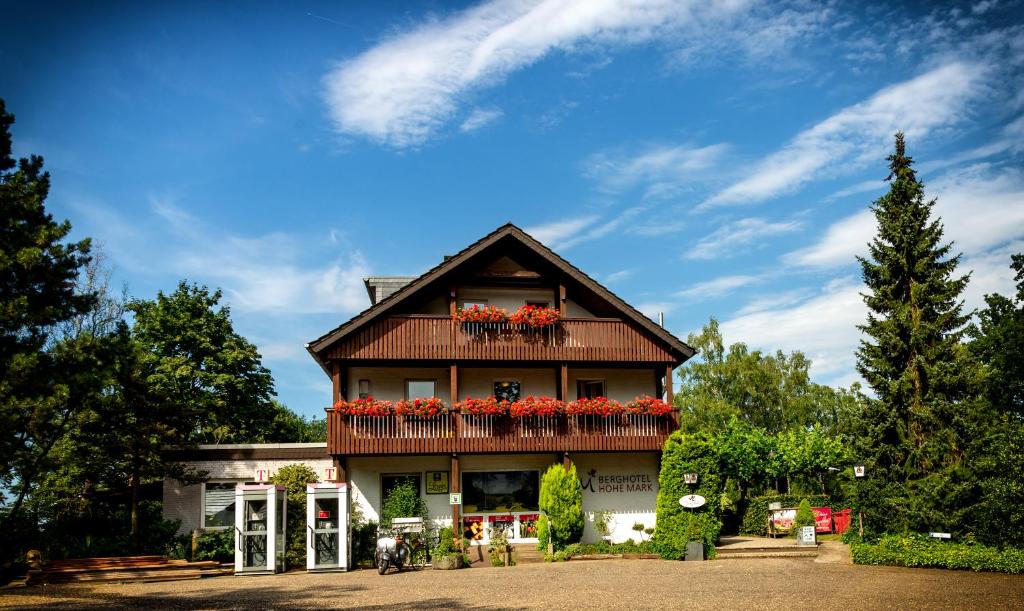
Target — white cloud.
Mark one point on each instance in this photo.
(717, 287)
(729, 238)
(559, 231)
(405, 88)
(862, 132)
(661, 170)
(618, 276)
(824, 327)
(981, 208)
(843, 240)
(479, 118)
(862, 187)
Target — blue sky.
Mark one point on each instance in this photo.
(699, 158)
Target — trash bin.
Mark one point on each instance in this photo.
(842, 520)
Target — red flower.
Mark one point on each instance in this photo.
(483, 407)
(536, 406)
(475, 313)
(424, 408)
(598, 406)
(364, 407)
(648, 405)
(534, 316)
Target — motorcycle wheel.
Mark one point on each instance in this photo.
(382, 565)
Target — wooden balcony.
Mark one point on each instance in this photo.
(469, 434)
(441, 338)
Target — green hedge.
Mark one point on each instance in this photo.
(755, 518)
(917, 550)
(690, 453)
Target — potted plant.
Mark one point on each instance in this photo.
(648, 405)
(598, 406)
(537, 317)
(536, 406)
(601, 519)
(483, 407)
(446, 556)
(422, 408)
(475, 313)
(364, 407)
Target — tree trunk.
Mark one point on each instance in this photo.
(133, 482)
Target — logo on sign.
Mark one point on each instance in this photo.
(323, 515)
(858, 470)
(692, 501)
(329, 474)
(262, 475)
(455, 498)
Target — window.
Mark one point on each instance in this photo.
(500, 491)
(218, 505)
(468, 303)
(507, 390)
(589, 389)
(419, 389)
(390, 482)
(365, 389)
(537, 304)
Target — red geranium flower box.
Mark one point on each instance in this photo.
(483, 407)
(536, 406)
(364, 407)
(534, 316)
(423, 408)
(598, 406)
(648, 405)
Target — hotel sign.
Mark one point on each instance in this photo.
(618, 483)
(692, 501)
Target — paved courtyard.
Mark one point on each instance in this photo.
(612, 584)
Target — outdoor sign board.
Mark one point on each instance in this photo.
(940, 535)
(692, 501)
(806, 536)
(690, 478)
(822, 519)
(783, 519)
(858, 470)
(455, 498)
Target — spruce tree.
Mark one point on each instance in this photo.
(911, 358)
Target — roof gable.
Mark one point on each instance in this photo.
(506, 267)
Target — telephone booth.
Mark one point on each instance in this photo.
(328, 543)
(260, 515)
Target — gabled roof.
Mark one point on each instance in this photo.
(677, 346)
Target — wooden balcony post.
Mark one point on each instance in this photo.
(561, 300)
(335, 382)
(340, 468)
(455, 483)
(659, 385)
(564, 381)
(566, 463)
(668, 384)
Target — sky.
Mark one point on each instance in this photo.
(701, 159)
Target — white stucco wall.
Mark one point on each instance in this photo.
(478, 382)
(626, 485)
(388, 383)
(185, 503)
(620, 384)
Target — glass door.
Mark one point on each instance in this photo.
(325, 531)
(254, 537)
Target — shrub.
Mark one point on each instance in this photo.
(216, 545)
(403, 501)
(677, 525)
(804, 517)
(561, 500)
(755, 517)
(294, 478)
(916, 550)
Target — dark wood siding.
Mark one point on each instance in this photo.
(441, 338)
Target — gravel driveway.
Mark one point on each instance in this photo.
(613, 584)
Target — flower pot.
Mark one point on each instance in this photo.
(447, 563)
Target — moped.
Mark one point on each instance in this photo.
(392, 549)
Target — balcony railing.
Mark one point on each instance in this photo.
(470, 434)
(421, 337)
